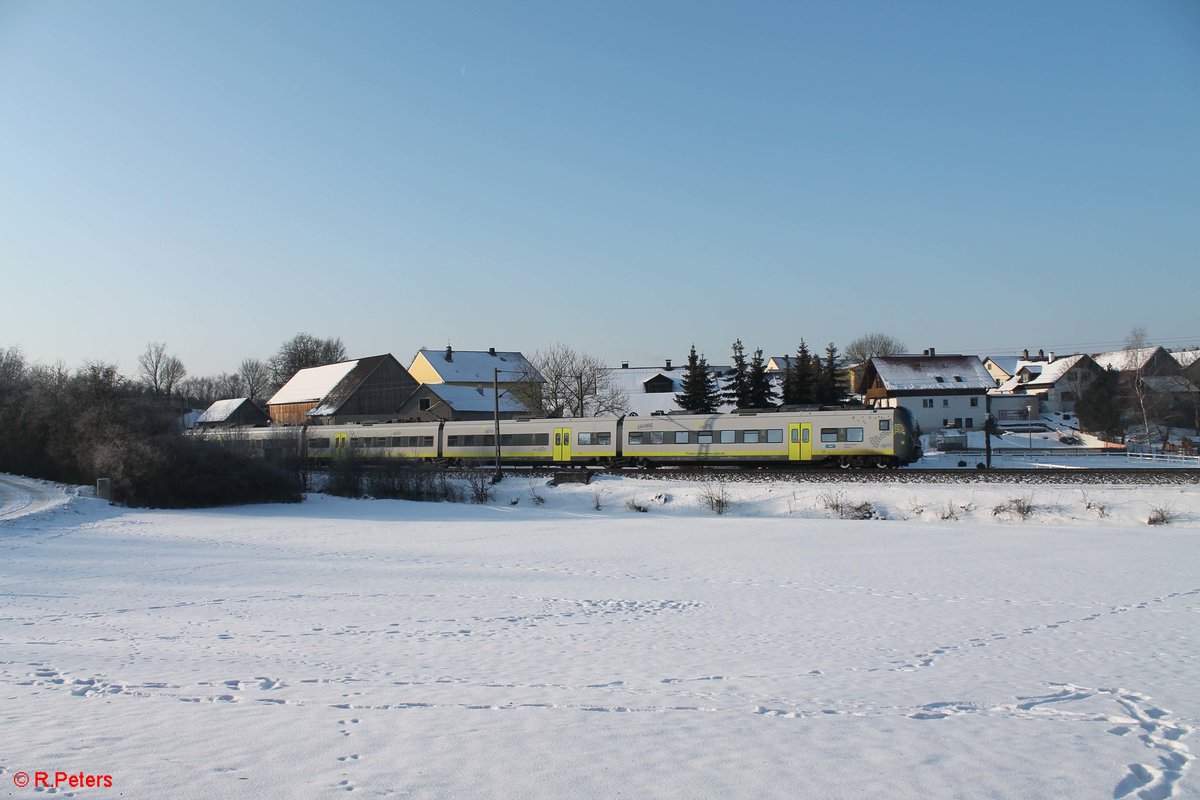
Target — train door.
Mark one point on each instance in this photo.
(562, 444)
(800, 441)
(339, 444)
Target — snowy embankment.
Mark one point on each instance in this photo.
(554, 649)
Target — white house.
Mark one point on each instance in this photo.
(948, 391)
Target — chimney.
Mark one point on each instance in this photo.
(668, 365)
(624, 365)
(491, 351)
(1025, 355)
(1041, 355)
(1050, 357)
(449, 353)
(932, 352)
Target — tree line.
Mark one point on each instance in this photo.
(808, 379)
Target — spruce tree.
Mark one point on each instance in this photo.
(799, 385)
(830, 390)
(737, 385)
(1098, 408)
(700, 395)
(760, 391)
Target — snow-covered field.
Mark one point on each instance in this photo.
(388, 648)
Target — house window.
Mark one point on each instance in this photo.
(927, 402)
(974, 402)
(423, 404)
(958, 379)
(970, 422)
(945, 402)
(939, 379)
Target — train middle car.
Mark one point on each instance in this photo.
(850, 437)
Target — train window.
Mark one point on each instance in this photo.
(704, 437)
(381, 441)
(451, 441)
(727, 437)
(557, 439)
(585, 438)
(804, 435)
(681, 437)
(541, 439)
(506, 440)
(775, 435)
(658, 437)
(795, 434)
(635, 437)
(829, 434)
(885, 424)
(604, 437)
(750, 437)
(358, 442)
(318, 444)
(854, 434)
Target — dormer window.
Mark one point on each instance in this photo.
(939, 379)
(958, 379)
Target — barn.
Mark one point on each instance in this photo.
(363, 390)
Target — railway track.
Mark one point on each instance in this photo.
(1106, 475)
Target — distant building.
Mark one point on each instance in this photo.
(947, 391)
(234, 413)
(363, 390)
(1057, 383)
(1143, 361)
(652, 390)
(444, 401)
(474, 368)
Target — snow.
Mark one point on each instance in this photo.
(221, 410)
(932, 373)
(549, 650)
(476, 366)
(312, 384)
(464, 398)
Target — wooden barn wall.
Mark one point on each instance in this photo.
(291, 413)
(382, 393)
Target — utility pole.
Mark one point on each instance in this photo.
(496, 418)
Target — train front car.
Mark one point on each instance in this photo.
(906, 440)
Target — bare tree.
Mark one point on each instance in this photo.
(576, 384)
(303, 351)
(159, 371)
(1142, 400)
(256, 377)
(871, 345)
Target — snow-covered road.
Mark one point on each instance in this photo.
(21, 496)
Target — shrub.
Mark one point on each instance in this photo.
(179, 472)
(1161, 515)
(401, 481)
(634, 505)
(836, 503)
(715, 497)
(479, 486)
(1019, 507)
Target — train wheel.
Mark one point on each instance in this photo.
(844, 462)
(883, 463)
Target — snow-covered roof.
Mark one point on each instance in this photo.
(1186, 357)
(1169, 384)
(1009, 364)
(475, 366)
(1043, 374)
(312, 384)
(466, 398)
(222, 410)
(632, 381)
(1122, 360)
(932, 373)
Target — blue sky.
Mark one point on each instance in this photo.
(623, 177)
